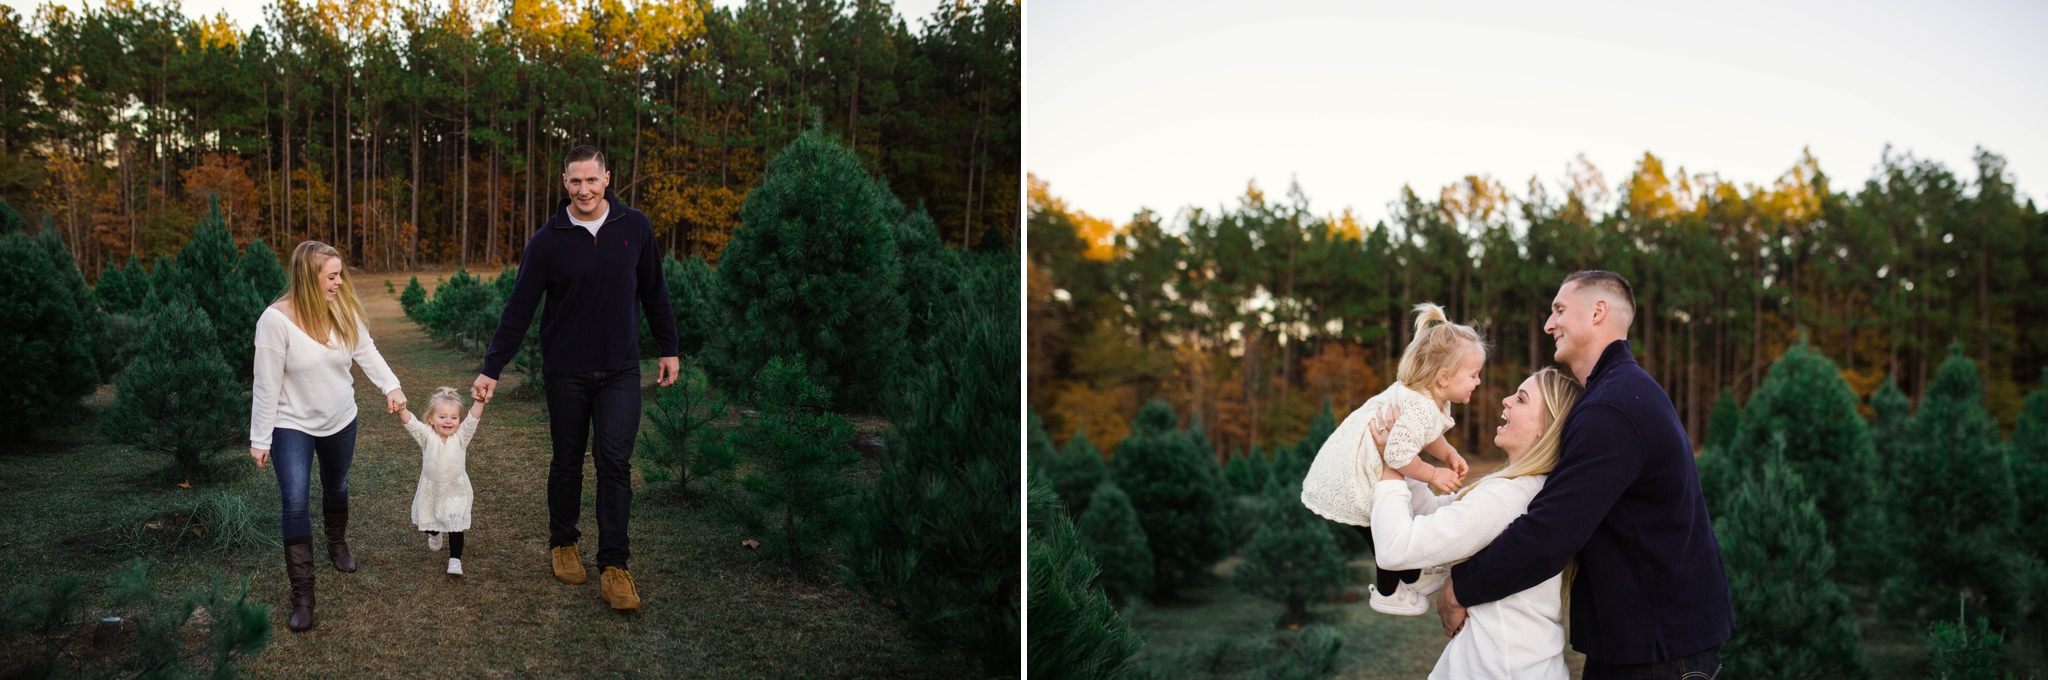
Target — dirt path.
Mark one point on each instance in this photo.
(709, 609)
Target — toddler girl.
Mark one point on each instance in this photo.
(1441, 365)
(443, 499)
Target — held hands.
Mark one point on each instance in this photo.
(482, 389)
(1446, 480)
(1456, 462)
(394, 401)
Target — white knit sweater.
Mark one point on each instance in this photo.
(303, 384)
(1519, 636)
(1339, 484)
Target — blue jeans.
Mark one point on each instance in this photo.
(604, 406)
(291, 455)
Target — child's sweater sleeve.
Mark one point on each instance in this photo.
(1415, 428)
(1456, 531)
(467, 431)
(419, 431)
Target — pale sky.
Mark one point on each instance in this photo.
(249, 13)
(1162, 105)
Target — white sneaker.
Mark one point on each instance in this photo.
(1404, 602)
(1432, 580)
(433, 541)
(455, 566)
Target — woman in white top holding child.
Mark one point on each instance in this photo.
(303, 407)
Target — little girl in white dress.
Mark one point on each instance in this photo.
(443, 500)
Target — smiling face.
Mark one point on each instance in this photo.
(330, 277)
(1524, 418)
(1457, 385)
(444, 417)
(1571, 323)
(586, 181)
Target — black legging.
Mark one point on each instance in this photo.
(1388, 579)
(455, 543)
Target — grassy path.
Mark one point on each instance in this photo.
(710, 609)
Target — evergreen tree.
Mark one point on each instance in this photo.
(1076, 471)
(672, 447)
(1037, 444)
(1247, 473)
(1319, 431)
(691, 294)
(814, 273)
(936, 540)
(1075, 630)
(266, 275)
(1293, 558)
(204, 273)
(1111, 533)
(122, 289)
(1790, 620)
(1957, 652)
(2030, 469)
(178, 397)
(47, 337)
(10, 219)
(1172, 484)
(1724, 422)
(76, 294)
(795, 457)
(413, 299)
(1953, 506)
(931, 276)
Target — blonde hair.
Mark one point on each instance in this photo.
(445, 395)
(319, 318)
(1559, 393)
(1438, 347)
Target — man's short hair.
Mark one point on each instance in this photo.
(1607, 282)
(584, 153)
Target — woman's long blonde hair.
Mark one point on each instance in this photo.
(1438, 347)
(316, 316)
(1559, 393)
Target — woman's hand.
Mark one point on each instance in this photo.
(394, 401)
(262, 456)
(1378, 426)
(1447, 479)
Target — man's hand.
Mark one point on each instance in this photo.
(1447, 609)
(394, 401)
(670, 366)
(482, 389)
(262, 456)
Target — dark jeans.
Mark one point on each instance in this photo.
(291, 455)
(1702, 666)
(1387, 579)
(605, 404)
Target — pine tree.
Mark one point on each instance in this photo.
(413, 299)
(1075, 630)
(1891, 431)
(178, 397)
(672, 447)
(1957, 652)
(47, 337)
(1724, 422)
(691, 294)
(1952, 504)
(1790, 620)
(1037, 444)
(936, 540)
(1172, 483)
(931, 275)
(1247, 473)
(122, 289)
(1111, 533)
(2030, 469)
(205, 273)
(794, 456)
(1293, 558)
(10, 219)
(814, 273)
(1076, 471)
(266, 275)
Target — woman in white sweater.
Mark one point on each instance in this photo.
(304, 406)
(1522, 635)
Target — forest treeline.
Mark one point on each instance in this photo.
(408, 132)
(1248, 317)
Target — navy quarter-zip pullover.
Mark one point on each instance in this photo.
(591, 283)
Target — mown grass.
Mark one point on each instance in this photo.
(710, 607)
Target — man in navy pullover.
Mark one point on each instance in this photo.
(1650, 599)
(595, 259)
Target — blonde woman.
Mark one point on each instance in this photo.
(1519, 636)
(304, 406)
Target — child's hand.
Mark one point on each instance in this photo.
(1457, 464)
(1446, 480)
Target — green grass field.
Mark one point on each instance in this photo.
(710, 607)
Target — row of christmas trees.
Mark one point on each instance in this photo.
(1811, 502)
(834, 297)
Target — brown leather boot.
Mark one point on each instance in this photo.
(298, 569)
(337, 541)
(615, 587)
(568, 567)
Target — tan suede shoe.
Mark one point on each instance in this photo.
(616, 587)
(569, 568)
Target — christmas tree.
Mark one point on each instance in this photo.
(1957, 652)
(813, 271)
(1724, 422)
(932, 276)
(1037, 444)
(1247, 473)
(10, 219)
(1075, 631)
(1952, 504)
(1293, 558)
(266, 275)
(413, 299)
(1111, 533)
(47, 334)
(1804, 402)
(122, 289)
(672, 447)
(205, 273)
(1790, 620)
(936, 540)
(690, 293)
(178, 397)
(794, 456)
(2030, 469)
(1076, 471)
(1173, 484)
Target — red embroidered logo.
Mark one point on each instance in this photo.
(624, 243)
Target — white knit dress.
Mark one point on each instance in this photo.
(1519, 636)
(444, 496)
(1339, 484)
